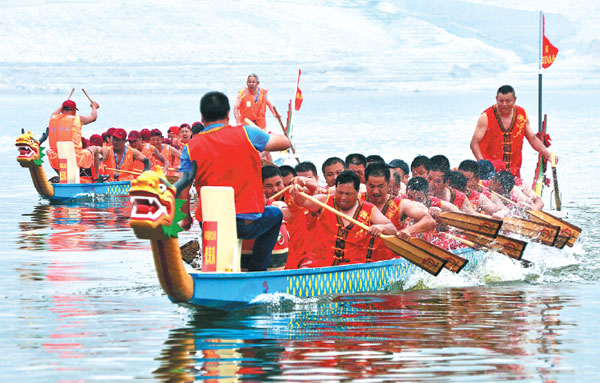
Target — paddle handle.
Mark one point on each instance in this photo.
(71, 94)
(86, 95)
(334, 211)
(459, 239)
(284, 131)
(249, 122)
(280, 193)
(500, 195)
(552, 160)
(122, 171)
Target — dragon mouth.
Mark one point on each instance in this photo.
(147, 207)
(25, 151)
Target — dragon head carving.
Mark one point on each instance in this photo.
(30, 152)
(156, 212)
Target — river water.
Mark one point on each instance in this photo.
(80, 298)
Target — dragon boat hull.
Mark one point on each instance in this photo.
(68, 192)
(231, 291)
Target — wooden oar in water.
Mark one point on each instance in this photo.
(511, 247)
(568, 233)
(557, 198)
(419, 257)
(494, 245)
(474, 223)
(455, 262)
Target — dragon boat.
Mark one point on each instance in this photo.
(155, 215)
(31, 156)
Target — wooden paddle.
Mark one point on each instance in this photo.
(285, 132)
(568, 232)
(477, 224)
(541, 232)
(419, 257)
(86, 95)
(511, 247)
(524, 262)
(280, 193)
(557, 198)
(71, 94)
(455, 262)
(249, 122)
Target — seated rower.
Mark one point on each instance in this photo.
(135, 142)
(170, 155)
(480, 198)
(397, 210)
(287, 174)
(331, 168)
(402, 172)
(439, 169)
(358, 163)
(337, 240)
(419, 167)
(504, 185)
(120, 156)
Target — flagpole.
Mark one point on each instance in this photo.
(540, 73)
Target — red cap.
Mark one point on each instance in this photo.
(155, 132)
(145, 133)
(184, 125)
(95, 140)
(174, 129)
(120, 134)
(70, 104)
(133, 135)
(110, 132)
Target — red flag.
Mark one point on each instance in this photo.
(298, 100)
(549, 51)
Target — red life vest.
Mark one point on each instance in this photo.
(475, 198)
(254, 107)
(457, 198)
(338, 244)
(126, 163)
(380, 252)
(300, 228)
(225, 157)
(504, 145)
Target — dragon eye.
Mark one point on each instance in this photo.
(162, 188)
(31, 141)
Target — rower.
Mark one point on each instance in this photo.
(480, 199)
(170, 155)
(419, 167)
(287, 174)
(122, 157)
(439, 168)
(358, 163)
(336, 240)
(331, 168)
(397, 210)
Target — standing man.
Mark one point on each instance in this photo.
(500, 131)
(65, 125)
(252, 103)
(224, 155)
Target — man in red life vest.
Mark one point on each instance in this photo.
(403, 173)
(481, 198)
(65, 125)
(332, 167)
(227, 155)
(419, 167)
(252, 103)
(121, 156)
(287, 174)
(397, 210)
(500, 131)
(439, 168)
(337, 240)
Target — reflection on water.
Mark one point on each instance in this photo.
(83, 226)
(496, 334)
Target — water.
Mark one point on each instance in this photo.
(80, 297)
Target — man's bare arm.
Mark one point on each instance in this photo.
(478, 135)
(92, 117)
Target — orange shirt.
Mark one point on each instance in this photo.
(254, 107)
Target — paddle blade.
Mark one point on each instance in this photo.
(477, 224)
(454, 263)
(567, 229)
(419, 257)
(511, 247)
(536, 231)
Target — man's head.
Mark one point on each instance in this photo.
(69, 107)
(505, 99)
(272, 181)
(214, 106)
(470, 169)
(287, 174)
(197, 127)
(252, 82)
(503, 183)
(145, 133)
(118, 140)
(185, 133)
(438, 167)
(173, 132)
(374, 158)
(396, 183)
(347, 185)
(401, 168)
(357, 163)
(331, 168)
(417, 189)
(420, 166)
(486, 169)
(377, 177)
(307, 169)
(95, 140)
(156, 138)
(456, 180)
(135, 139)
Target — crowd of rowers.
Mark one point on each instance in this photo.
(385, 197)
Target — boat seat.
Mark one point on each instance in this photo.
(221, 248)
(68, 169)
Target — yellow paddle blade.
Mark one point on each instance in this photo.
(536, 231)
(511, 247)
(474, 223)
(454, 263)
(421, 258)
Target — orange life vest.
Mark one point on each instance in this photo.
(126, 163)
(338, 244)
(147, 150)
(254, 107)
(504, 145)
(64, 127)
(225, 157)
